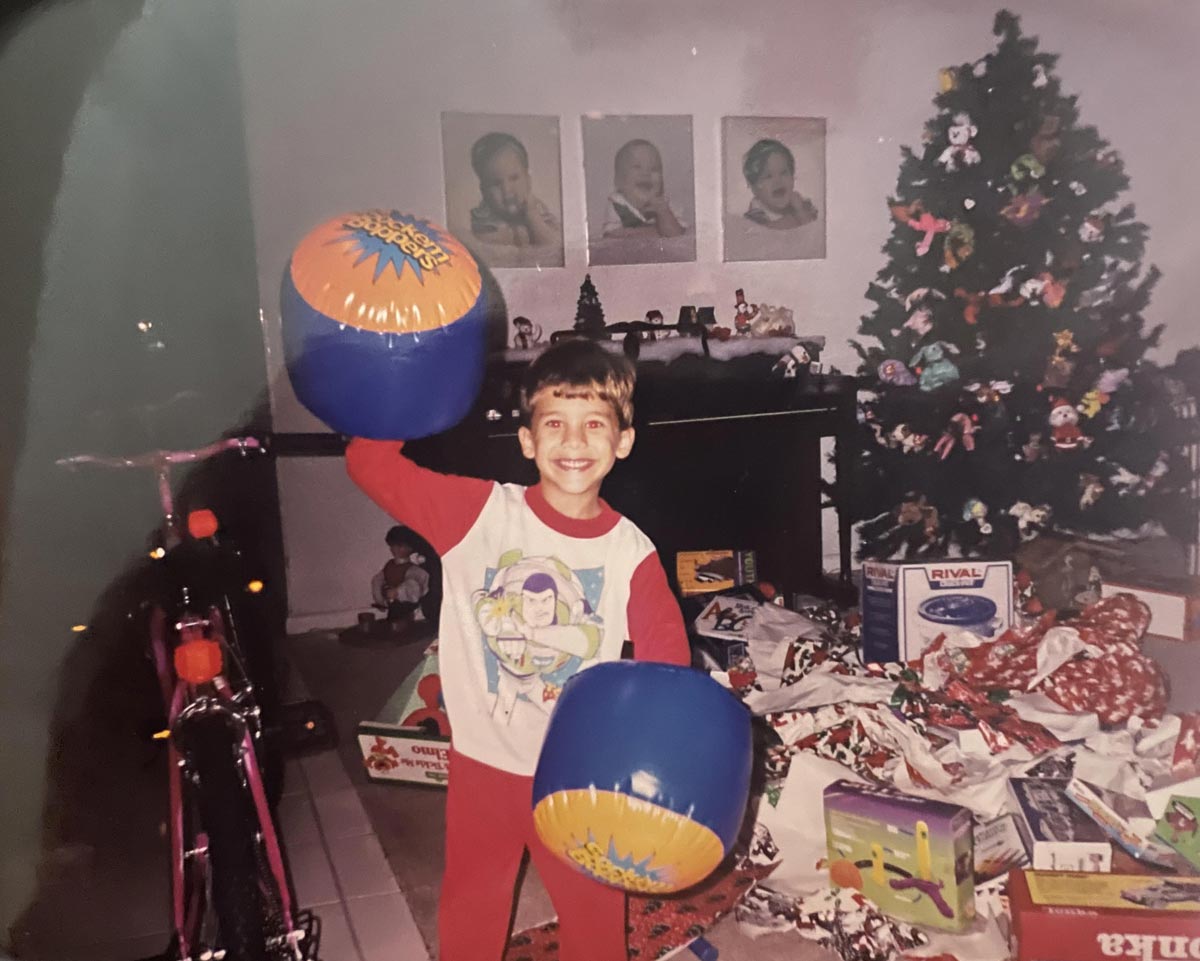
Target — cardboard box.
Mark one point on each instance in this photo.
(905, 606)
(1058, 835)
(410, 740)
(999, 848)
(1174, 603)
(1179, 827)
(1124, 819)
(1090, 917)
(912, 856)
(710, 572)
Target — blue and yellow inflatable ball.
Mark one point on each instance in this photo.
(644, 775)
(384, 325)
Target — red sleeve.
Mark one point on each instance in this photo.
(439, 507)
(655, 622)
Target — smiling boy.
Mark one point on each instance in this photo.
(512, 557)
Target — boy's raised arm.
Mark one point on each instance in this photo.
(655, 621)
(439, 507)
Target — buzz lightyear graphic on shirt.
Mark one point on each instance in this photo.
(539, 626)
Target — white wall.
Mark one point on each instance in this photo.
(342, 105)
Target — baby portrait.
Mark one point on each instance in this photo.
(774, 188)
(504, 187)
(640, 195)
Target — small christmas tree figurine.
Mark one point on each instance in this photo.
(589, 315)
(1006, 390)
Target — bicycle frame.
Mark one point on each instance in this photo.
(229, 692)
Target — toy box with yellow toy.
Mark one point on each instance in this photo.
(912, 856)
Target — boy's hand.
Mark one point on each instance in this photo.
(541, 232)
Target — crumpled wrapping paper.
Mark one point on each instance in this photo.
(1092, 663)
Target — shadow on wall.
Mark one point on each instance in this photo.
(34, 159)
(104, 853)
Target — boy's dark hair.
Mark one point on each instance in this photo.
(755, 161)
(490, 144)
(399, 535)
(627, 149)
(579, 367)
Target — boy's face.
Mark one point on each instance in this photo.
(401, 551)
(506, 185)
(640, 177)
(774, 186)
(574, 441)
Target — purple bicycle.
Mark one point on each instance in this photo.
(231, 896)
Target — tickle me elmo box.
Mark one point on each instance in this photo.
(1061, 916)
(905, 606)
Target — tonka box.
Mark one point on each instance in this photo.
(905, 606)
(912, 856)
(1059, 916)
(1058, 834)
(410, 740)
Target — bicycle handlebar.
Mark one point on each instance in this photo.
(161, 458)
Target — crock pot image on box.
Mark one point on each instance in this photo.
(957, 612)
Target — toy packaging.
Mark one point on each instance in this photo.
(906, 606)
(999, 848)
(410, 740)
(1124, 819)
(1179, 826)
(710, 572)
(912, 856)
(1089, 917)
(1060, 837)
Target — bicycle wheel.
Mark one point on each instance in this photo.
(227, 817)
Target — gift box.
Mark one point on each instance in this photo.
(1060, 916)
(710, 572)
(1179, 827)
(1124, 819)
(906, 606)
(911, 856)
(1174, 603)
(1059, 836)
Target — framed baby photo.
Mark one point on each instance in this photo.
(504, 187)
(641, 200)
(773, 188)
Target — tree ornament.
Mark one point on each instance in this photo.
(1091, 231)
(1031, 520)
(1090, 403)
(991, 392)
(960, 244)
(936, 369)
(893, 372)
(961, 427)
(1032, 449)
(1064, 426)
(1039, 76)
(1110, 381)
(947, 79)
(1026, 167)
(916, 511)
(1077, 188)
(975, 510)
(961, 152)
(1025, 208)
(922, 295)
(1046, 142)
(920, 321)
(916, 216)
(1090, 490)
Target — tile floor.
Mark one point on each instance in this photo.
(339, 868)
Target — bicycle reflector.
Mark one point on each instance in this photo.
(202, 523)
(198, 660)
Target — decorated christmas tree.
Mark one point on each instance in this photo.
(1005, 388)
(589, 315)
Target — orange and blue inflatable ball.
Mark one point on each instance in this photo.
(384, 325)
(644, 775)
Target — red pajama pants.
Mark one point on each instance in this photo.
(489, 824)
